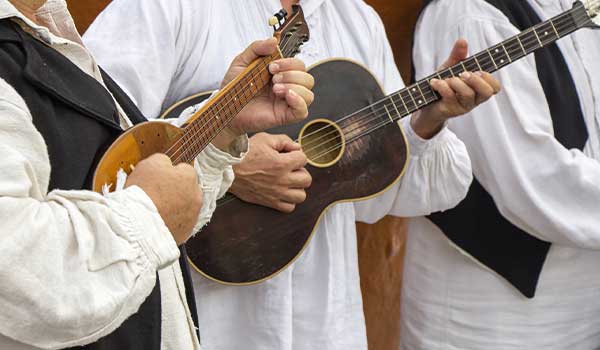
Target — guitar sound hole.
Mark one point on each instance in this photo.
(323, 142)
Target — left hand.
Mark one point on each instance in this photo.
(459, 95)
(284, 101)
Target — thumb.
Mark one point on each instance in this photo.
(254, 51)
(282, 143)
(459, 53)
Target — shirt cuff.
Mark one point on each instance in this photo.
(145, 225)
(214, 161)
(418, 145)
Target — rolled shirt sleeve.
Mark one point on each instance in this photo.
(74, 264)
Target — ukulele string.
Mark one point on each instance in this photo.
(485, 59)
(185, 140)
(532, 44)
(181, 142)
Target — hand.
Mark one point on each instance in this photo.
(460, 95)
(174, 191)
(272, 174)
(284, 101)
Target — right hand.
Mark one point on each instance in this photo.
(272, 174)
(174, 191)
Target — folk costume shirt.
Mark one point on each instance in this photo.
(74, 265)
(449, 301)
(168, 50)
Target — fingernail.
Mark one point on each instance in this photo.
(433, 81)
(274, 68)
(277, 78)
(293, 93)
(478, 73)
(465, 75)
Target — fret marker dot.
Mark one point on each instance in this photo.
(414, 89)
(545, 33)
(251, 84)
(420, 101)
(497, 50)
(501, 61)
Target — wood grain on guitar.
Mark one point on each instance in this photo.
(184, 144)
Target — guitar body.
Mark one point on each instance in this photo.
(247, 243)
(135, 144)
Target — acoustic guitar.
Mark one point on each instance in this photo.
(186, 143)
(355, 149)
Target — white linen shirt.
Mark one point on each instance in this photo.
(448, 300)
(75, 264)
(170, 49)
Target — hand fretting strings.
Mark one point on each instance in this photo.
(505, 53)
(199, 133)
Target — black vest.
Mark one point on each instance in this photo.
(78, 120)
(476, 225)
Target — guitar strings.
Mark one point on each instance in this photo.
(182, 142)
(398, 94)
(558, 21)
(386, 122)
(512, 49)
(195, 141)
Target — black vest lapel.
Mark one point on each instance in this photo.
(476, 225)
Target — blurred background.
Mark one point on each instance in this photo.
(381, 246)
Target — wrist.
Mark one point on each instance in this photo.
(425, 125)
(225, 140)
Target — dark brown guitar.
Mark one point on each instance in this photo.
(355, 149)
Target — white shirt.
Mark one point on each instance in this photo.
(553, 193)
(177, 48)
(75, 264)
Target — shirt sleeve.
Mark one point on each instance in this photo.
(549, 191)
(74, 264)
(438, 173)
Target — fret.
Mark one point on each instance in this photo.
(403, 103)
(537, 37)
(470, 65)
(501, 56)
(408, 98)
(388, 113)
(422, 95)
(411, 95)
(395, 108)
(506, 52)
(463, 66)
(477, 61)
(484, 60)
(521, 44)
(554, 28)
(494, 62)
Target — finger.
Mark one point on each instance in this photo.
(287, 64)
(293, 196)
(255, 50)
(483, 90)
(285, 207)
(464, 94)
(459, 53)
(445, 91)
(300, 179)
(160, 158)
(298, 107)
(187, 171)
(493, 82)
(283, 143)
(281, 90)
(293, 160)
(294, 77)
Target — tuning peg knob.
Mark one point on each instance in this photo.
(273, 21)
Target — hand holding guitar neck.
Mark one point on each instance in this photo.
(285, 101)
(459, 95)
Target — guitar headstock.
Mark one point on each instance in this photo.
(592, 8)
(291, 30)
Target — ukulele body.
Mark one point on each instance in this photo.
(136, 143)
(246, 243)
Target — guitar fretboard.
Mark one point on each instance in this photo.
(420, 94)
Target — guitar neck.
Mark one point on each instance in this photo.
(210, 120)
(420, 94)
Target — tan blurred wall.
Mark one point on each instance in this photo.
(381, 246)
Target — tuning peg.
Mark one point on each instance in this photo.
(278, 18)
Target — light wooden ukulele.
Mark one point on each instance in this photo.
(355, 151)
(184, 144)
